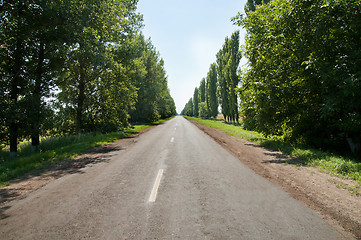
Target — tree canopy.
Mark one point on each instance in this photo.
(70, 66)
(303, 81)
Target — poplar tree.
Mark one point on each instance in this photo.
(202, 90)
(195, 102)
(211, 91)
(227, 66)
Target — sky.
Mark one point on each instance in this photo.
(188, 34)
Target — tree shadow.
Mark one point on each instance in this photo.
(280, 152)
(75, 165)
(2, 210)
(282, 158)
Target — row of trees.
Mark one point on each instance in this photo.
(69, 66)
(204, 102)
(220, 86)
(304, 75)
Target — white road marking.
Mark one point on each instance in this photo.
(172, 139)
(153, 194)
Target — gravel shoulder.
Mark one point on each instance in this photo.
(322, 192)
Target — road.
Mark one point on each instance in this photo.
(175, 182)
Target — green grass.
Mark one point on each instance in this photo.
(335, 164)
(56, 149)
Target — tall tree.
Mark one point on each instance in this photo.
(46, 41)
(195, 102)
(211, 91)
(202, 90)
(154, 100)
(93, 25)
(222, 82)
(188, 108)
(14, 82)
(227, 65)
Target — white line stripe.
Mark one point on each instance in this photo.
(172, 139)
(153, 194)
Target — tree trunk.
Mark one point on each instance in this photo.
(81, 98)
(35, 126)
(15, 88)
(237, 117)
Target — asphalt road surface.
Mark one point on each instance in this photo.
(175, 182)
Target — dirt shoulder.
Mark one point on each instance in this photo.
(322, 192)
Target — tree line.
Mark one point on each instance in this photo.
(71, 66)
(303, 78)
(220, 87)
(303, 81)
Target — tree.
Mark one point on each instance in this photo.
(95, 26)
(227, 65)
(89, 53)
(203, 111)
(188, 108)
(154, 100)
(202, 90)
(30, 36)
(303, 82)
(45, 61)
(211, 91)
(195, 103)
(13, 81)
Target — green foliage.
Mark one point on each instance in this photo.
(195, 103)
(227, 66)
(188, 108)
(204, 102)
(252, 4)
(211, 91)
(69, 66)
(202, 90)
(203, 110)
(303, 81)
(96, 87)
(153, 100)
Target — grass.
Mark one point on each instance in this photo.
(346, 167)
(56, 149)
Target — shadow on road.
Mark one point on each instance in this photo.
(36, 179)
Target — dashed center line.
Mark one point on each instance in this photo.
(172, 139)
(153, 194)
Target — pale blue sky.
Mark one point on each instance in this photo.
(188, 34)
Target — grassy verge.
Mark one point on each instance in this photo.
(334, 164)
(56, 149)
